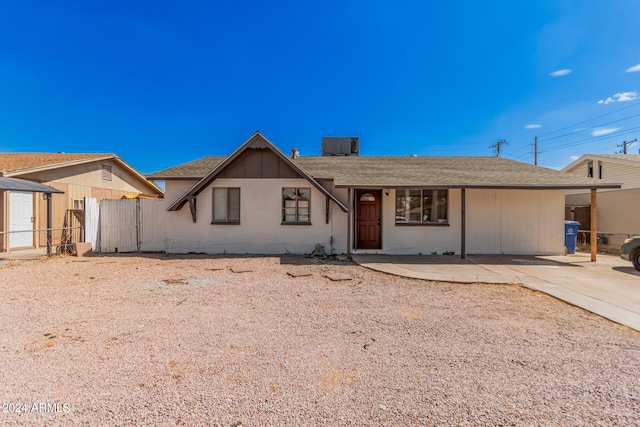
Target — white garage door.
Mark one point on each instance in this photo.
(20, 219)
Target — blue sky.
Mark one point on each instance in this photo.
(161, 83)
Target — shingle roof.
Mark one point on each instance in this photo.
(396, 171)
(13, 163)
(195, 169)
(449, 171)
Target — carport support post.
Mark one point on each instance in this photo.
(349, 212)
(594, 226)
(49, 222)
(463, 208)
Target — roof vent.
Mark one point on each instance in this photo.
(340, 146)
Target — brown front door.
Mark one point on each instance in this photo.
(368, 219)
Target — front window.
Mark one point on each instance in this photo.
(296, 205)
(226, 206)
(423, 206)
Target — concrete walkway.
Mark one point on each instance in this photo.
(609, 287)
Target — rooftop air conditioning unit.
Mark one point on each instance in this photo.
(340, 146)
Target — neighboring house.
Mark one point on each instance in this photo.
(618, 209)
(100, 176)
(258, 200)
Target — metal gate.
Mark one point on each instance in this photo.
(92, 222)
(132, 225)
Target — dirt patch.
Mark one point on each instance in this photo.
(182, 340)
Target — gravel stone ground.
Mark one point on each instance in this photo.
(182, 340)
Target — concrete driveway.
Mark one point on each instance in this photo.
(609, 287)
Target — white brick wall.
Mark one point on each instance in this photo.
(260, 229)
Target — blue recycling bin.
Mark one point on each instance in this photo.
(571, 235)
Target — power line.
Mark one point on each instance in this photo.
(522, 147)
(561, 145)
(593, 118)
(575, 143)
(596, 138)
(600, 125)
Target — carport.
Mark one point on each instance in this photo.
(25, 186)
(593, 213)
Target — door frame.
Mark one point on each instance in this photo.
(356, 194)
(15, 235)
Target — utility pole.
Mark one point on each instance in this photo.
(625, 144)
(535, 151)
(497, 146)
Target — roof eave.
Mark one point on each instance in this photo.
(24, 185)
(138, 175)
(173, 178)
(489, 186)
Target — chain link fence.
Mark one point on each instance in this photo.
(604, 238)
(608, 243)
(34, 245)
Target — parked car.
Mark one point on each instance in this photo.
(630, 251)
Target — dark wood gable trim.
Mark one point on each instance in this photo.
(192, 207)
(258, 163)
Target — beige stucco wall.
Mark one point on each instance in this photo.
(515, 221)
(174, 189)
(260, 229)
(339, 221)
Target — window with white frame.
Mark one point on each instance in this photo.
(226, 206)
(296, 205)
(78, 204)
(422, 206)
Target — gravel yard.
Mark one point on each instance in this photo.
(185, 340)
